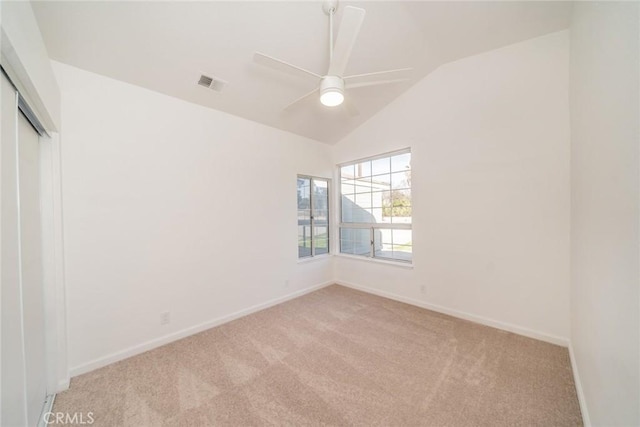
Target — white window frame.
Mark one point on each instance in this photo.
(313, 254)
(372, 227)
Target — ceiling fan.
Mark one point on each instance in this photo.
(333, 84)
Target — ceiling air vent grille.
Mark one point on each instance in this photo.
(212, 83)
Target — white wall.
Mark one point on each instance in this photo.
(490, 175)
(170, 206)
(604, 209)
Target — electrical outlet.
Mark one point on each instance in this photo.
(165, 318)
(423, 289)
(286, 283)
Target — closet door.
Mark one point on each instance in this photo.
(13, 380)
(23, 352)
(31, 268)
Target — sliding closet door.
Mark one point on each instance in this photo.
(31, 263)
(23, 355)
(13, 364)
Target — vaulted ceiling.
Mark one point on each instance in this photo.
(166, 46)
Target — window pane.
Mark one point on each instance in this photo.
(320, 217)
(303, 193)
(355, 241)
(393, 244)
(347, 210)
(380, 199)
(364, 216)
(401, 237)
(321, 239)
(363, 169)
(304, 215)
(363, 185)
(364, 200)
(401, 215)
(347, 172)
(400, 180)
(380, 166)
(381, 182)
(382, 243)
(352, 212)
(320, 194)
(313, 224)
(304, 240)
(378, 216)
(385, 236)
(400, 207)
(348, 187)
(401, 162)
(404, 193)
(402, 253)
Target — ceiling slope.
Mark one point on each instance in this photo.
(166, 46)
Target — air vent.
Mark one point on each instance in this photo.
(205, 81)
(212, 83)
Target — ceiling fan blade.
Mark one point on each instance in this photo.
(352, 19)
(350, 108)
(303, 97)
(388, 75)
(374, 83)
(285, 67)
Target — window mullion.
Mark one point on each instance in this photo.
(372, 250)
(311, 219)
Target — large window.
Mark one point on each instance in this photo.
(375, 199)
(313, 216)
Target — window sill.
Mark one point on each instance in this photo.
(399, 264)
(314, 258)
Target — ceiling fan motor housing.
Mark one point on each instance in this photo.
(331, 90)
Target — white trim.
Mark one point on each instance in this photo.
(376, 157)
(401, 264)
(53, 262)
(48, 262)
(46, 409)
(561, 341)
(581, 397)
(157, 342)
(64, 384)
(62, 368)
(309, 259)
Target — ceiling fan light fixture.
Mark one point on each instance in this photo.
(331, 91)
(332, 98)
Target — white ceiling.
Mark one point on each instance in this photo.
(165, 46)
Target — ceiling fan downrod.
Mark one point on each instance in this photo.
(330, 7)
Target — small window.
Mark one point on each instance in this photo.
(375, 202)
(313, 216)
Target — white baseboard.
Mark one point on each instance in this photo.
(581, 398)
(63, 384)
(157, 342)
(564, 342)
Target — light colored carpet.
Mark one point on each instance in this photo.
(336, 357)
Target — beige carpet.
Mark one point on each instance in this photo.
(336, 357)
